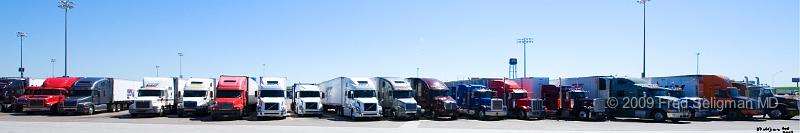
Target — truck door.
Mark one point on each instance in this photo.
(603, 88)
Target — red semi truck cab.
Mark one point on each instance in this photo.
(46, 97)
(522, 105)
(230, 98)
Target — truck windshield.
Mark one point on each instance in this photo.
(271, 93)
(440, 93)
(577, 95)
(150, 93)
(403, 94)
(733, 92)
(81, 93)
(519, 95)
(228, 94)
(756, 92)
(363, 93)
(309, 94)
(483, 94)
(44, 92)
(194, 93)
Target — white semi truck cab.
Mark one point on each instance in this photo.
(361, 99)
(306, 99)
(271, 96)
(196, 96)
(156, 96)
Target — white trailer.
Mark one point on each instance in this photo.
(533, 85)
(592, 85)
(306, 99)
(196, 96)
(158, 95)
(271, 96)
(92, 94)
(351, 97)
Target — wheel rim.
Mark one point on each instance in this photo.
(583, 115)
(775, 113)
(659, 116)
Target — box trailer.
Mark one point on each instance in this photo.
(271, 97)
(397, 98)
(306, 99)
(92, 94)
(197, 96)
(235, 97)
(354, 97)
(710, 88)
(12, 88)
(158, 96)
(434, 98)
(47, 97)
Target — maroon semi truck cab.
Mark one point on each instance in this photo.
(434, 98)
(46, 97)
(230, 99)
(522, 105)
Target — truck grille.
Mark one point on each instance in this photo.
(142, 104)
(537, 104)
(225, 105)
(70, 103)
(311, 105)
(37, 103)
(370, 107)
(271, 106)
(497, 104)
(449, 106)
(599, 105)
(411, 107)
(189, 104)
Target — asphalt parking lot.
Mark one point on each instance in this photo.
(18, 122)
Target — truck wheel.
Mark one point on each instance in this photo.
(3, 108)
(659, 116)
(522, 115)
(90, 111)
(134, 115)
(583, 115)
(54, 110)
(775, 114)
(481, 115)
(730, 115)
(181, 113)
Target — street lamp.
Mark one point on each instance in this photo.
(180, 64)
(52, 67)
(21, 69)
(157, 70)
(66, 5)
(697, 67)
(524, 42)
(644, 34)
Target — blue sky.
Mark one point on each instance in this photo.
(313, 41)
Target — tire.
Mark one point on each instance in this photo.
(522, 115)
(481, 115)
(181, 114)
(54, 110)
(134, 115)
(730, 115)
(659, 116)
(90, 111)
(3, 108)
(583, 115)
(775, 114)
(352, 117)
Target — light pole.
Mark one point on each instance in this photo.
(21, 69)
(157, 70)
(644, 34)
(263, 70)
(180, 65)
(52, 67)
(524, 42)
(697, 67)
(66, 5)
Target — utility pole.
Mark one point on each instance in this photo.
(644, 34)
(21, 69)
(263, 70)
(524, 42)
(52, 67)
(697, 67)
(157, 70)
(180, 65)
(66, 5)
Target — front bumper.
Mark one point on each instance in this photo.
(309, 111)
(751, 111)
(536, 114)
(679, 115)
(272, 113)
(74, 109)
(226, 113)
(367, 114)
(199, 109)
(495, 113)
(146, 111)
(36, 109)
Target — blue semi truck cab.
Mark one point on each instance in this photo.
(479, 102)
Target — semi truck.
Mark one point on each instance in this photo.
(518, 100)
(235, 97)
(48, 97)
(92, 94)
(197, 96)
(632, 97)
(397, 98)
(567, 102)
(434, 98)
(271, 97)
(711, 88)
(777, 106)
(353, 97)
(12, 88)
(478, 101)
(306, 99)
(158, 96)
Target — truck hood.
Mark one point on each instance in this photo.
(304, 100)
(445, 99)
(39, 96)
(367, 100)
(271, 99)
(407, 100)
